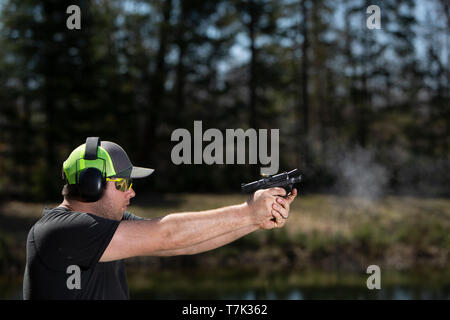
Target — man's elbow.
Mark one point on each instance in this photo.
(169, 238)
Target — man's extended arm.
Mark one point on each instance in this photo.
(209, 244)
(184, 230)
(280, 213)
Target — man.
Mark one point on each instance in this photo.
(75, 250)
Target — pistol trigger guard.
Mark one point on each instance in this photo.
(288, 191)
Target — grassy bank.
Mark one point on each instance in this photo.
(323, 231)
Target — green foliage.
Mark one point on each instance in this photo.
(371, 239)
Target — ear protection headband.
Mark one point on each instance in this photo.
(91, 181)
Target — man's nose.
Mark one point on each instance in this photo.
(131, 193)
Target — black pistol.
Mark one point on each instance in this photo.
(285, 180)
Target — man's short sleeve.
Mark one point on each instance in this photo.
(72, 238)
(129, 216)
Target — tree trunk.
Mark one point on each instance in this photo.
(253, 113)
(304, 76)
(157, 90)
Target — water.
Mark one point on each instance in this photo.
(196, 284)
(250, 285)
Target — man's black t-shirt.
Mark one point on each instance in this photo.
(63, 252)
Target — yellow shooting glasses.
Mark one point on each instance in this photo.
(122, 184)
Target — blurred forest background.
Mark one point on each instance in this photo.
(360, 112)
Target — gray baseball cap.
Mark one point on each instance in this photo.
(109, 158)
(122, 164)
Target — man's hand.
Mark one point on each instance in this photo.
(280, 210)
(265, 210)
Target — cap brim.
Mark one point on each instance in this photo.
(138, 172)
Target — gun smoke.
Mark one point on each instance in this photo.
(358, 174)
(371, 174)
